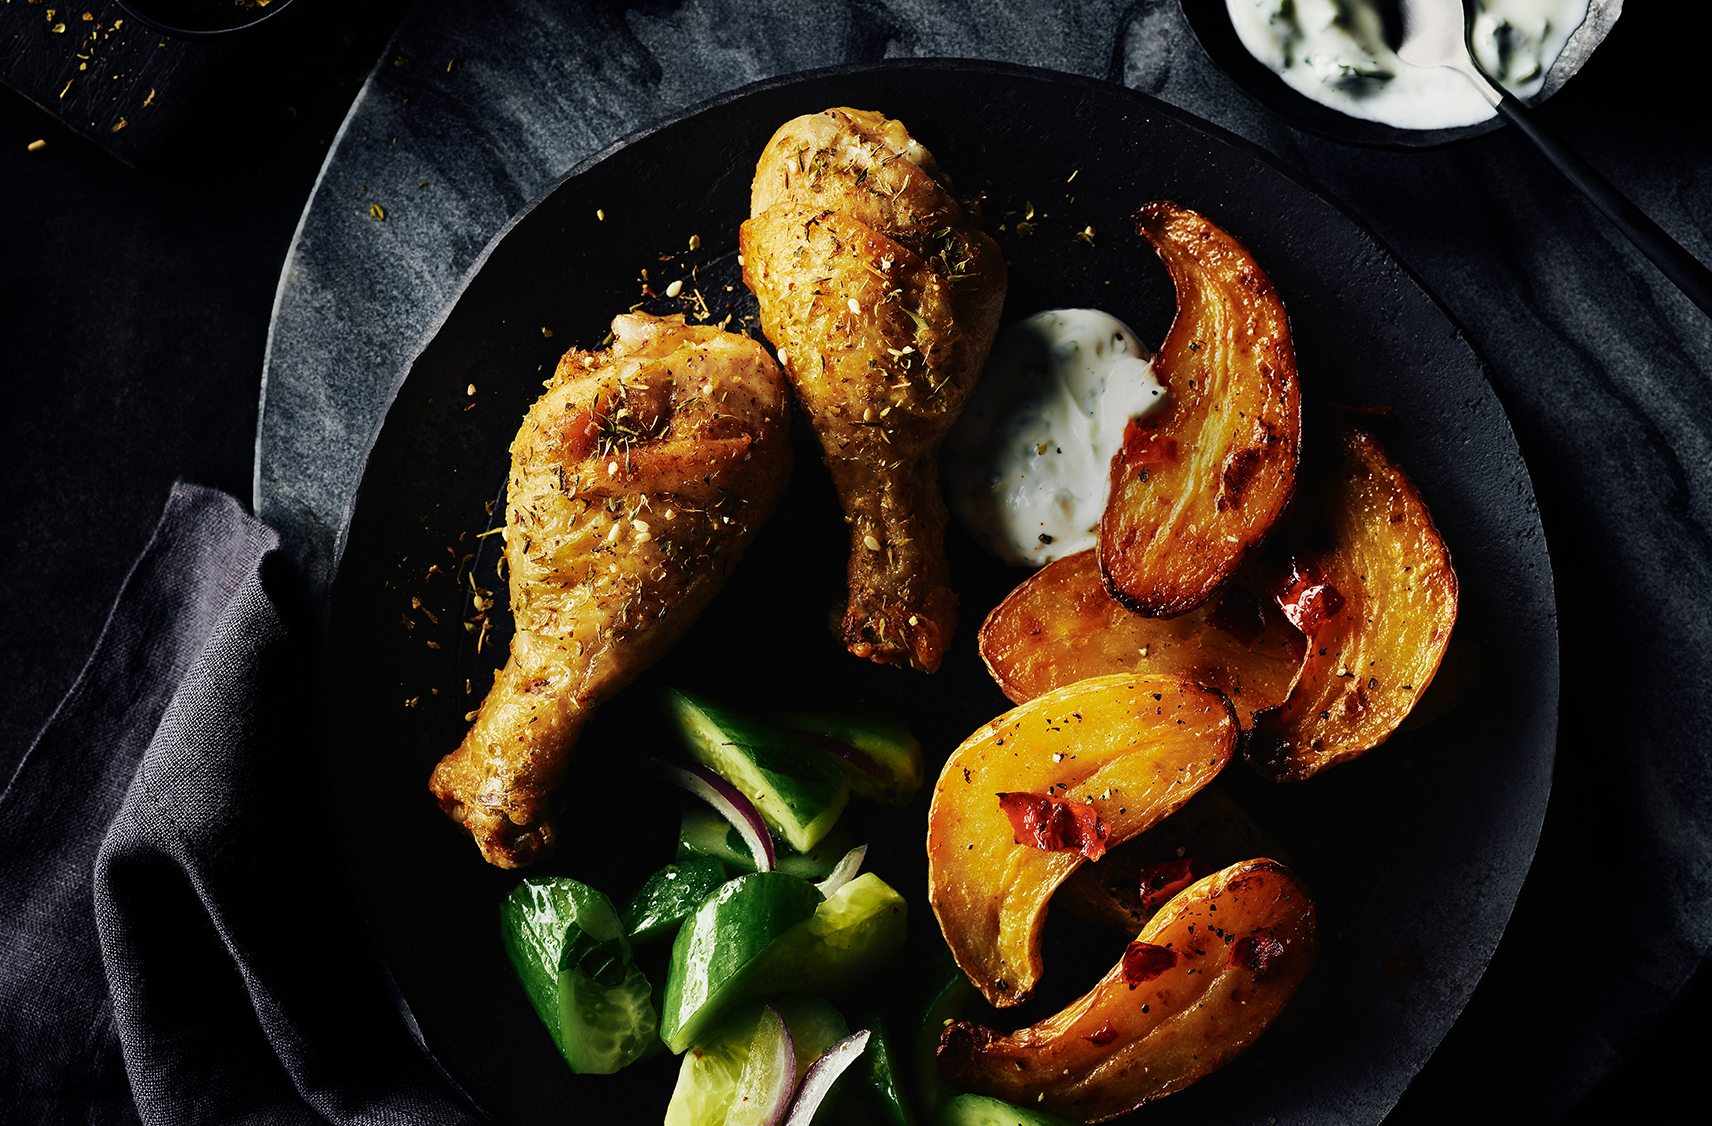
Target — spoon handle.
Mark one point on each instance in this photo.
(1666, 253)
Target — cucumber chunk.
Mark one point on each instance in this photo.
(769, 1076)
(670, 895)
(708, 1077)
(852, 934)
(717, 944)
(569, 950)
(798, 790)
(734, 948)
(880, 1085)
(705, 833)
(952, 997)
(881, 758)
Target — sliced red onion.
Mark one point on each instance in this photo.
(729, 801)
(844, 871)
(770, 1075)
(824, 1072)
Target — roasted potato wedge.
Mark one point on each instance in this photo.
(1373, 588)
(1202, 980)
(1131, 749)
(1199, 484)
(1129, 885)
(1061, 625)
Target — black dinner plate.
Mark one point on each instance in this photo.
(1415, 853)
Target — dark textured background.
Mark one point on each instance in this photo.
(135, 305)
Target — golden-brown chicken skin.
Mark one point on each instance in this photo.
(636, 481)
(882, 298)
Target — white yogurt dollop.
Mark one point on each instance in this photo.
(1334, 52)
(1028, 464)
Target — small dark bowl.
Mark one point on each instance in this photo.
(1211, 24)
(203, 19)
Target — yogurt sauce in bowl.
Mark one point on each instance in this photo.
(1335, 52)
(1029, 463)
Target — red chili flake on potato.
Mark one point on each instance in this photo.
(1307, 597)
(1105, 1035)
(1143, 447)
(1055, 824)
(1161, 882)
(1256, 952)
(1143, 961)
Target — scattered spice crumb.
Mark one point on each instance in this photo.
(151, 96)
(118, 125)
(377, 212)
(675, 288)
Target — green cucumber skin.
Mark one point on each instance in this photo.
(719, 959)
(671, 895)
(953, 998)
(534, 920)
(797, 788)
(704, 833)
(887, 741)
(882, 1089)
(717, 944)
(544, 923)
(979, 1110)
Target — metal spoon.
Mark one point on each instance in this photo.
(1436, 33)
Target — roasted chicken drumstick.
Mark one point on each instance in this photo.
(882, 298)
(636, 481)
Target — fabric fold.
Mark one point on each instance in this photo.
(180, 945)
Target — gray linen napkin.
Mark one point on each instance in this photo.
(176, 942)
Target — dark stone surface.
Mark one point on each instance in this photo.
(136, 306)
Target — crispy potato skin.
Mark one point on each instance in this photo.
(1061, 625)
(1120, 1047)
(882, 298)
(1135, 748)
(1370, 662)
(1195, 489)
(616, 537)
